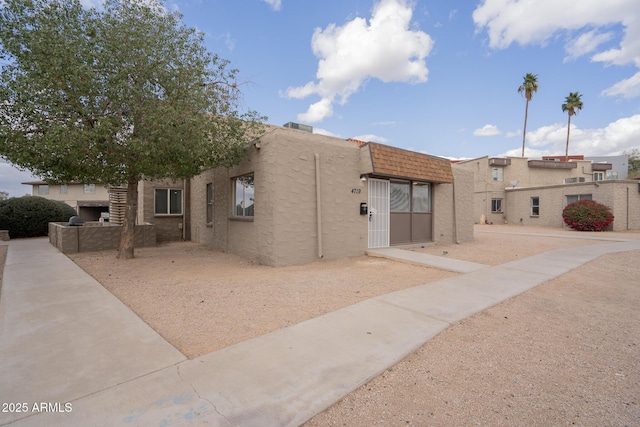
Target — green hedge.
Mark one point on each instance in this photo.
(29, 216)
(587, 215)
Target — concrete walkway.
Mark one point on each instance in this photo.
(67, 342)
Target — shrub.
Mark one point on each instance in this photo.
(29, 216)
(587, 215)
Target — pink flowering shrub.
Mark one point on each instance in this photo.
(587, 215)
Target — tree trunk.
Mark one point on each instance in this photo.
(128, 228)
(524, 132)
(566, 153)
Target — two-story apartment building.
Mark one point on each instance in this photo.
(89, 200)
(534, 192)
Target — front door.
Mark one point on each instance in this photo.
(378, 213)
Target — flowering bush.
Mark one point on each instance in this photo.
(587, 215)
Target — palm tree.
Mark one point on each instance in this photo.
(572, 104)
(529, 86)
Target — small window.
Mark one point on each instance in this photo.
(535, 206)
(168, 201)
(598, 176)
(43, 190)
(209, 203)
(496, 205)
(243, 196)
(577, 197)
(64, 189)
(89, 188)
(497, 174)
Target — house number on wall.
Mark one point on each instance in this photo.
(356, 190)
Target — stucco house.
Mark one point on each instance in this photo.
(300, 197)
(89, 200)
(534, 192)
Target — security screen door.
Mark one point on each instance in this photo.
(378, 213)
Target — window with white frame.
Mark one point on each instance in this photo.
(243, 196)
(43, 190)
(168, 201)
(496, 205)
(89, 188)
(210, 203)
(577, 197)
(497, 174)
(598, 176)
(535, 206)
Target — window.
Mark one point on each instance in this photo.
(243, 196)
(64, 189)
(410, 197)
(89, 188)
(576, 197)
(43, 190)
(535, 206)
(209, 203)
(421, 197)
(496, 205)
(497, 174)
(168, 201)
(598, 176)
(399, 197)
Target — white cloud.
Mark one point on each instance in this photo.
(325, 132)
(585, 43)
(385, 123)
(628, 88)
(487, 130)
(513, 134)
(529, 22)
(623, 134)
(383, 48)
(275, 4)
(372, 138)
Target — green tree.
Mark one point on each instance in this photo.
(634, 162)
(528, 87)
(572, 104)
(114, 95)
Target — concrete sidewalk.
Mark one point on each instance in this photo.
(64, 339)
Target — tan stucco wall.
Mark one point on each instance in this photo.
(284, 228)
(614, 193)
(446, 227)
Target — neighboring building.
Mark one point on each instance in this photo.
(618, 166)
(300, 197)
(534, 192)
(89, 200)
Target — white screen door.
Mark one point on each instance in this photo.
(378, 213)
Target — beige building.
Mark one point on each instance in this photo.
(300, 197)
(517, 190)
(89, 200)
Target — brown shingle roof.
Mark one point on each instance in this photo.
(395, 162)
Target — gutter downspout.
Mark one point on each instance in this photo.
(455, 216)
(628, 210)
(318, 206)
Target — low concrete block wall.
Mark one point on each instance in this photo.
(96, 237)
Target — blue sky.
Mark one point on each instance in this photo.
(439, 77)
